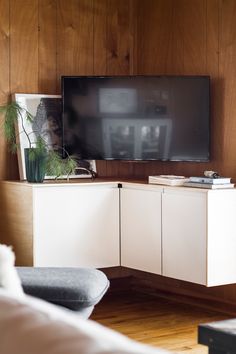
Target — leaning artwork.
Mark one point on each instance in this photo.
(47, 113)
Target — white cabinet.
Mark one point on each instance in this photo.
(199, 235)
(183, 233)
(141, 228)
(76, 226)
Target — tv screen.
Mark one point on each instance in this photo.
(136, 117)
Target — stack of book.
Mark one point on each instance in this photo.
(210, 183)
(168, 180)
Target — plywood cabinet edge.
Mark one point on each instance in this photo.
(16, 221)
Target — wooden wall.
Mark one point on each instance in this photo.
(40, 40)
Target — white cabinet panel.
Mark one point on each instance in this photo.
(76, 226)
(221, 237)
(141, 229)
(184, 237)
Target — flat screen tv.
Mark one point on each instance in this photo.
(137, 117)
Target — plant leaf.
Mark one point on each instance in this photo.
(57, 166)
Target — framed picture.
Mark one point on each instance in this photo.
(47, 113)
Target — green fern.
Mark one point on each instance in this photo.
(55, 164)
(10, 113)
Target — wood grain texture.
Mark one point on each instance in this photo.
(4, 79)
(133, 29)
(47, 50)
(4, 49)
(50, 38)
(212, 37)
(155, 320)
(74, 37)
(100, 54)
(100, 38)
(24, 46)
(23, 55)
(212, 47)
(16, 221)
(120, 57)
(154, 36)
(119, 39)
(192, 25)
(227, 71)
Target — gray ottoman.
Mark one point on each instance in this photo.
(78, 289)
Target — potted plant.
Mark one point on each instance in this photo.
(40, 158)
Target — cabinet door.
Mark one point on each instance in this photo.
(221, 248)
(184, 231)
(141, 229)
(76, 226)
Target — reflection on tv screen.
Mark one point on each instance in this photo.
(137, 118)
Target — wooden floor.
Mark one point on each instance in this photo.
(157, 321)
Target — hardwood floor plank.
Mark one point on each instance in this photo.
(156, 321)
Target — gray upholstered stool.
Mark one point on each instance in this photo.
(78, 289)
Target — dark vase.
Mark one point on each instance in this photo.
(35, 166)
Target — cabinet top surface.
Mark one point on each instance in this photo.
(129, 183)
(77, 182)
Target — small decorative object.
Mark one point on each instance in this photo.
(40, 157)
(9, 278)
(211, 174)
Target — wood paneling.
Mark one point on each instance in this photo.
(4, 79)
(16, 221)
(154, 48)
(212, 69)
(75, 37)
(100, 38)
(41, 40)
(227, 70)
(100, 54)
(47, 50)
(120, 47)
(192, 21)
(119, 39)
(24, 46)
(23, 64)
(4, 49)
(50, 38)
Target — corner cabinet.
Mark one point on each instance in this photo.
(141, 228)
(183, 233)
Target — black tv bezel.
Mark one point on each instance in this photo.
(207, 159)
